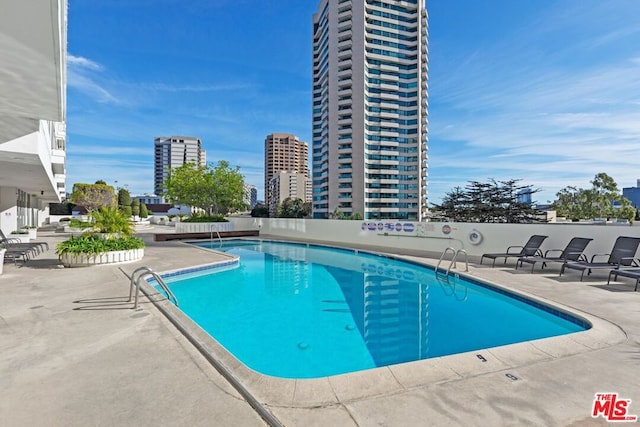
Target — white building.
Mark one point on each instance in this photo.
(285, 185)
(250, 195)
(369, 150)
(33, 82)
(172, 152)
(148, 199)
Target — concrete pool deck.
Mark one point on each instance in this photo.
(74, 353)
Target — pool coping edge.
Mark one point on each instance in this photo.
(387, 380)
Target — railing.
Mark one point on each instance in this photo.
(452, 264)
(211, 230)
(135, 282)
(443, 278)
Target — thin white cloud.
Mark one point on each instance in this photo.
(83, 75)
(614, 36)
(163, 87)
(139, 180)
(553, 107)
(82, 62)
(103, 150)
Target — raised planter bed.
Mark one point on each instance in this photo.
(162, 237)
(33, 233)
(24, 238)
(115, 257)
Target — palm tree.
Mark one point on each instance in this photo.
(111, 221)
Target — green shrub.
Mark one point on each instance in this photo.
(215, 218)
(112, 220)
(76, 223)
(135, 207)
(144, 212)
(96, 245)
(124, 197)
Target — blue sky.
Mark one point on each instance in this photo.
(547, 91)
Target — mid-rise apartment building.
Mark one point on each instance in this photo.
(285, 185)
(369, 146)
(172, 152)
(283, 152)
(250, 195)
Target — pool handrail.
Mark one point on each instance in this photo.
(135, 282)
(453, 259)
(211, 227)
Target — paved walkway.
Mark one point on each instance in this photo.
(73, 353)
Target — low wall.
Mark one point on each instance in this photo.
(114, 257)
(203, 227)
(432, 238)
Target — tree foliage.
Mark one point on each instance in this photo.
(93, 196)
(214, 189)
(135, 208)
(337, 213)
(492, 201)
(228, 188)
(124, 197)
(111, 220)
(293, 208)
(602, 200)
(144, 212)
(260, 211)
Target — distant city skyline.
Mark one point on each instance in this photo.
(546, 92)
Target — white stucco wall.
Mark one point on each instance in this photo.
(432, 237)
(8, 210)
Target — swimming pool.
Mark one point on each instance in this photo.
(302, 311)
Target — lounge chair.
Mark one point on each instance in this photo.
(622, 255)
(531, 248)
(38, 247)
(572, 252)
(13, 253)
(632, 273)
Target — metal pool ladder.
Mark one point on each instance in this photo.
(453, 260)
(211, 227)
(135, 282)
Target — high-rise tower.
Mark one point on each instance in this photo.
(174, 151)
(283, 152)
(370, 108)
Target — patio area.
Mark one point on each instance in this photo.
(73, 352)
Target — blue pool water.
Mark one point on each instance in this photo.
(298, 311)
